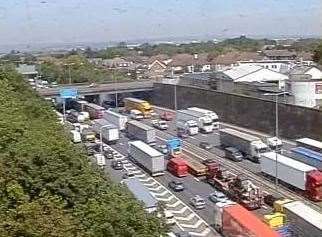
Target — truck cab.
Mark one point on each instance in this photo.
(257, 148)
(160, 124)
(214, 117)
(207, 125)
(178, 167)
(190, 126)
(274, 143)
(136, 114)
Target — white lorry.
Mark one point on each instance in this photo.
(136, 114)
(274, 143)
(147, 157)
(115, 118)
(100, 159)
(204, 122)
(160, 124)
(211, 114)
(251, 146)
(189, 127)
(141, 131)
(109, 132)
(76, 136)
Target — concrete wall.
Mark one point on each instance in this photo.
(257, 114)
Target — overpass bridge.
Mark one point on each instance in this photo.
(98, 89)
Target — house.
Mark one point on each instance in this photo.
(157, 70)
(254, 73)
(163, 58)
(117, 62)
(187, 63)
(228, 60)
(313, 72)
(281, 66)
(279, 54)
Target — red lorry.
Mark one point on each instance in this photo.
(178, 167)
(168, 116)
(238, 189)
(232, 220)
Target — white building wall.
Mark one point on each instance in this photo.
(315, 73)
(308, 94)
(274, 66)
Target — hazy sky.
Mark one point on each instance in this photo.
(43, 21)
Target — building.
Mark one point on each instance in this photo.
(279, 54)
(306, 91)
(254, 73)
(117, 63)
(312, 71)
(281, 66)
(157, 70)
(187, 63)
(28, 71)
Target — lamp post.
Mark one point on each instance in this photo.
(101, 138)
(115, 87)
(276, 130)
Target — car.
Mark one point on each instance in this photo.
(117, 165)
(205, 145)
(162, 148)
(182, 234)
(128, 174)
(198, 202)
(176, 185)
(233, 154)
(108, 154)
(217, 197)
(182, 134)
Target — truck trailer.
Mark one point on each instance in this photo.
(232, 220)
(141, 131)
(305, 221)
(308, 157)
(138, 104)
(147, 157)
(187, 127)
(115, 118)
(109, 132)
(297, 174)
(204, 122)
(251, 146)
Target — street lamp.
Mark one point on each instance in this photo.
(276, 129)
(101, 137)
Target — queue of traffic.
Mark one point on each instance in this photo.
(241, 194)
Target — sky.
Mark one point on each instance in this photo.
(68, 21)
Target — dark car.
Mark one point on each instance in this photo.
(233, 154)
(183, 234)
(128, 174)
(176, 185)
(205, 145)
(108, 154)
(117, 165)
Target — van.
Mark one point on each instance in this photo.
(136, 114)
(76, 136)
(233, 154)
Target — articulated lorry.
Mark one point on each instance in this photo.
(115, 118)
(147, 157)
(297, 174)
(138, 104)
(141, 131)
(214, 117)
(204, 122)
(187, 127)
(109, 132)
(251, 146)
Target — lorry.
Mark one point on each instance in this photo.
(109, 132)
(74, 116)
(136, 114)
(95, 111)
(251, 146)
(308, 157)
(115, 118)
(88, 135)
(178, 167)
(138, 104)
(274, 143)
(232, 220)
(292, 172)
(141, 131)
(214, 117)
(204, 122)
(160, 124)
(75, 136)
(100, 159)
(304, 220)
(310, 144)
(189, 127)
(195, 167)
(167, 116)
(147, 157)
(238, 189)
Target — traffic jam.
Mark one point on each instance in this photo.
(212, 178)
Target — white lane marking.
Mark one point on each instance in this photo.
(182, 210)
(155, 189)
(185, 218)
(203, 233)
(140, 175)
(194, 226)
(195, 178)
(168, 199)
(175, 204)
(159, 194)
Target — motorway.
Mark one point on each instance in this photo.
(100, 88)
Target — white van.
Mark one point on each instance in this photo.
(136, 114)
(76, 136)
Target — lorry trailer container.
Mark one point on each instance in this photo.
(305, 221)
(115, 118)
(147, 157)
(95, 111)
(178, 167)
(251, 146)
(141, 131)
(297, 174)
(232, 220)
(310, 144)
(214, 117)
(138, 104)
(194, 167)
(308, 157)
(108, 131)
(142, 194)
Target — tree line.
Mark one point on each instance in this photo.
(48, 187)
